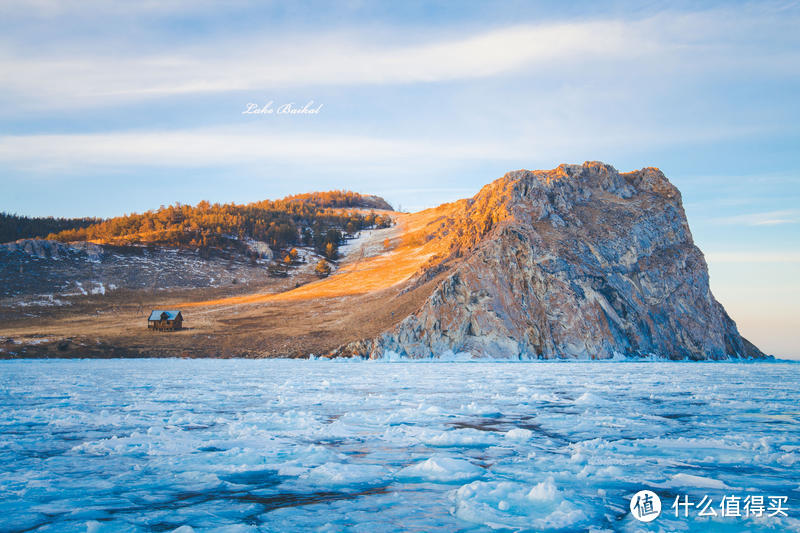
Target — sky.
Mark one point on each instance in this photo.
(115, 107)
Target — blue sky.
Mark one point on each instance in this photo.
(108, 108)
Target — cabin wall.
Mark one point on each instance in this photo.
(165, 325)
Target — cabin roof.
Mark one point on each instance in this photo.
(156, 315)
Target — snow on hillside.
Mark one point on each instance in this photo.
(35, 272)
(368, 243)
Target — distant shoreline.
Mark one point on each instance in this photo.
(769, 359)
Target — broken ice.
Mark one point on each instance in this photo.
(278, 445)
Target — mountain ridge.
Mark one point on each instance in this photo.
(579, 261)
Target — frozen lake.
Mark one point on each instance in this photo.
(278, 445)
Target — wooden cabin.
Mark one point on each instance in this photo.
(165, 320)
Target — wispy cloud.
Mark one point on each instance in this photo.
(48, 8)
(195, 148)
(45, 77)
(242, 145)
(332, 59)
(753, 257)
(766, 218)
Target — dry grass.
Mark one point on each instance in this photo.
(376, 270)
(363, 298)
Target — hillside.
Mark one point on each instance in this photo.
(305, 219)
(577, 262)
(181, 247)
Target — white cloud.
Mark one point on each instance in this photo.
(246, 145)
(95, 75)
(195, 148)
(333, 59)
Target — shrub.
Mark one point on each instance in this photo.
(323, 268)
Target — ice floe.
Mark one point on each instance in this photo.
(278, 445)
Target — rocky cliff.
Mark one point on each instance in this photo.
(577, 262)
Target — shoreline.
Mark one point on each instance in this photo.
(312, 358)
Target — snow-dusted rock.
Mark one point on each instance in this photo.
(44, 249)
(261, 248)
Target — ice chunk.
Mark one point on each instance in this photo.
(346, 475)
(441, 469)
(460, 437)
(449, 355)
(544, 491)
(689, 480)
(506, 504)
(519, 434)
(390, 355)
(589, 398)
(280, 445)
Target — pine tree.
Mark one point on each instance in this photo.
(330, 251)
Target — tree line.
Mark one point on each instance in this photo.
(14, 227)
(316, 220)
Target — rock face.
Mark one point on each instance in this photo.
(262, 249)
(44, 249)
(577, 262)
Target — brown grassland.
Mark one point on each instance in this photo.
(372, 289)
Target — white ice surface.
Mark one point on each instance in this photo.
(277, 445)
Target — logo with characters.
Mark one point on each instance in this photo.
(645, 506)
